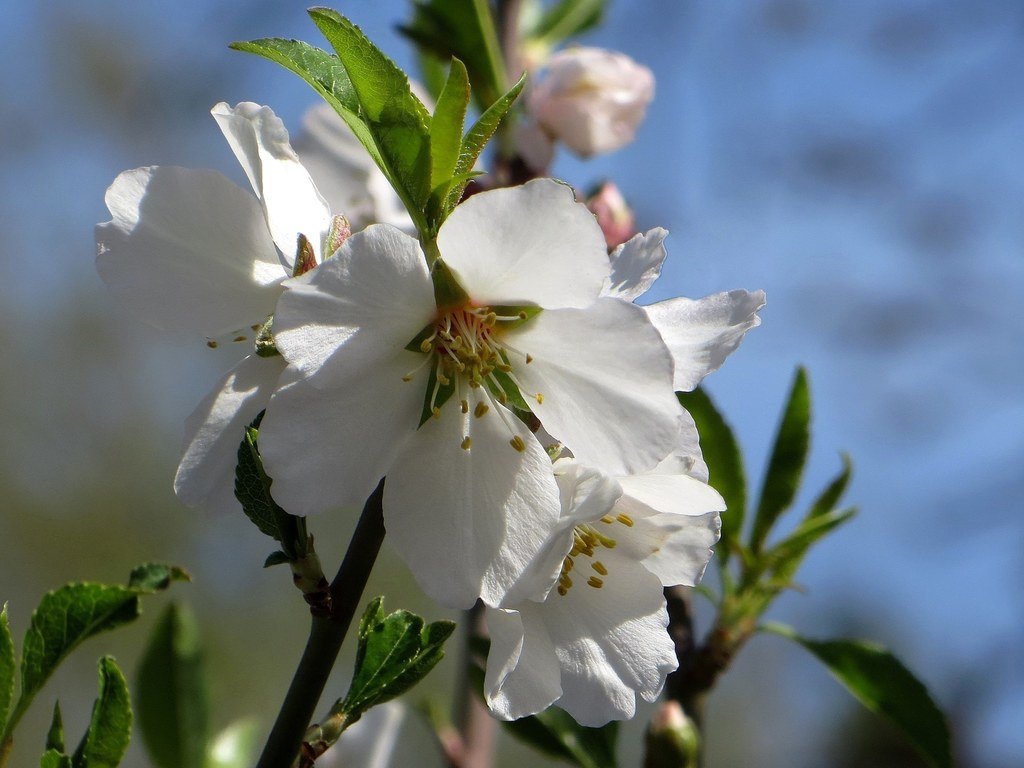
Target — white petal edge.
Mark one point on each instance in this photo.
(187, 249)
(469, 523)
(290, 199)
(532, 244)
(522, 676)
(359, 307)
(701, 333)
(606, 380)
(206, 473)
(636, 264)
(328, 448)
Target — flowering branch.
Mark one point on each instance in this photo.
(326, 637)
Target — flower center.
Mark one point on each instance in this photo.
(586, 541)
(470, 359)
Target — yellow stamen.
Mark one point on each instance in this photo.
(598, 566)
(481, 409)
(467, 443)
(517, 443)
(595, 582)
(211, 343)
(625, 519)
(239, 338)
(464, 404)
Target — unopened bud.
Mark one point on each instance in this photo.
(672, 739)
(613, 214)
(591, 99)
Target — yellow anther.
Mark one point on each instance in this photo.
(595, 582)
(607, 519)
(255, 327)
(567, 564)
(529, 358)
(562, 590)
(540, 398)
(565, 581)
(407, 377)
(481, 409)
(436, 412)
(625, 519)
(517, 443)
(522, 315)
(598, 566)
(467, 443)
(444, 380)
(426, 345)
(464, 404)
(239, 338)
(211, 343)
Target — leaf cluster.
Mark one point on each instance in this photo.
(64, 619)
(426, 157)
(756, 567)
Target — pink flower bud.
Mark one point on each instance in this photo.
(613, 214)
(592, 100)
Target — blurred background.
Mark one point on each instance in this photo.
(862, 162)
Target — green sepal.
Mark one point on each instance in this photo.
(725, 466)
(235, 746)
(448, 292)
(110, 727)
(171, 694)
(879, 681)
(785, 558)
(252, 489)
(55, 733)
(265, 346)
(506, 392)
(789, 454)
(8, 665)
(393, 654)
(462, 29)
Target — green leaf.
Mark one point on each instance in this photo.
(725, 464)
(393, 654)
(462, 29)
(555, 733)
(252, 489)
(55, 735)
(235, 746)
(393, 116)
(785, 557)
(830, 497)
(7, 666)
(156, 577)
(447, 123)
(54, 759)
(110, 728)
(68, 616)
(566, 19)
(881, 683)
(477, 139)
(787, 461)
(171, 698)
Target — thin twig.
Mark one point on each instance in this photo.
(326, 636)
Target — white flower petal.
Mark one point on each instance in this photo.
(655, 493)
(328, 448)
(188, 249)
(522, 675)
(532, 244)
(611, 642)
(636, 264)
(345, 174)
(606, 381)
(687, 458)
(206, 473)
(359, 307)
(290, 200)
(701, 333)
(469, 523)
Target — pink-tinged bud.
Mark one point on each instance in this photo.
(613, 214)
(591, 99)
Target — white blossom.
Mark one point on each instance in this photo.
(469, 498)
(187, 249)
